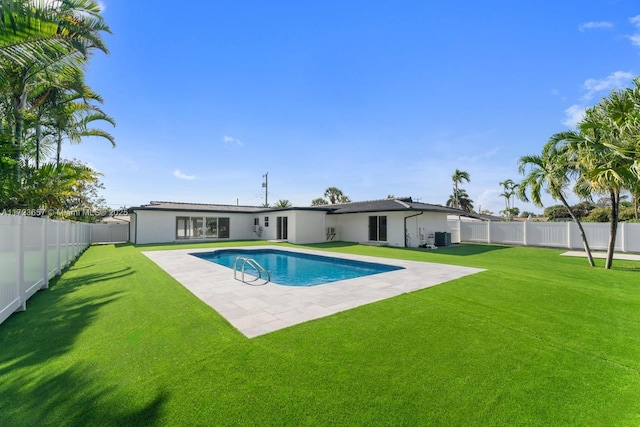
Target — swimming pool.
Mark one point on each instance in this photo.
(298, 269)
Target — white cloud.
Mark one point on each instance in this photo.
(130, 163)
(490, 200)
(635, 38)
(231, 140)
(616, 80)
(180, 175)
(482, 156)
(593, 25)
(573, 114)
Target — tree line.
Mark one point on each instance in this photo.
(45, 47)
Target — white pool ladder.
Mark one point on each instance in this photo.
(241, 262)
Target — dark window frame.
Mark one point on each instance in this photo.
(378, 228)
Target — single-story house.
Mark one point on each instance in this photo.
(394, 222)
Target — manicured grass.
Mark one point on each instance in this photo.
(537, 339)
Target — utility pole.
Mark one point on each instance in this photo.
(265, 185)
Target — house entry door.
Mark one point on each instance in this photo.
(282, 226)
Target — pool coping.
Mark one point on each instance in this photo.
(258, 310)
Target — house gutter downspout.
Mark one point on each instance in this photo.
(405, 226)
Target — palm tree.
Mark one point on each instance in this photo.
(606, 149)
(549, 170)
(282, 203)
(335, 195)
(605, 152)
(53, 186)
(319, 202)
(72, 121)
(38, 36)
(458, 177)
(460, 200)
(64, 107)
(509, 190)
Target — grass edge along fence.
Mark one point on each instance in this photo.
(546, 234)
(32, 251)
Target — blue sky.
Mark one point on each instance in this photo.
(374, 98)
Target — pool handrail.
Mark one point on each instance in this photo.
(255, 265)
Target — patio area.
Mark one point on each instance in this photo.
(258, 310)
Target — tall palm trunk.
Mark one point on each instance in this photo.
(613, 230)
(19, 103)
(38, 138)
(456, 194)
(58, 148)
(585, 243)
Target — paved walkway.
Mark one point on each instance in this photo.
(257, 310)
(627, 257)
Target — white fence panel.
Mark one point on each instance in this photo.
(473, 231)
(64, 245)
(632, 237)
(597, 235)
(53, 249)
(109, 233)
(507, 233)
(550, 234)
(33, 255)
(547, 234)
(32, 251)
(9, 263)
(454, 229)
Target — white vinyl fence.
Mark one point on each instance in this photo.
(109, 233)
(549, 234)
(32, 251)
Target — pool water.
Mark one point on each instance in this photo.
(298, 269)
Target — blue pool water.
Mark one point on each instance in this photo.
(298, 269)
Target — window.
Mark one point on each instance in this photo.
(378, 228)
(182, 227)
(197, 227)
(256, 221)
(223, 228)
(266, 221)
(212, 228)
(282, 228)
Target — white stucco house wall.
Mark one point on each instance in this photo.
(393, 222)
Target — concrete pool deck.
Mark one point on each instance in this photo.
(258, 310)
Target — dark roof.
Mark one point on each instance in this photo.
(383, 205)
(176, 206)
(389, 205)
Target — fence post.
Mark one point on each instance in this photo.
(20, 244)
(623, 240)
(524, 232)
(489, 232)
(58, 258)
(67, 238)
(45, 253)
(569, 234)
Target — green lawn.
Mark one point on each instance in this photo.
(537, 339)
